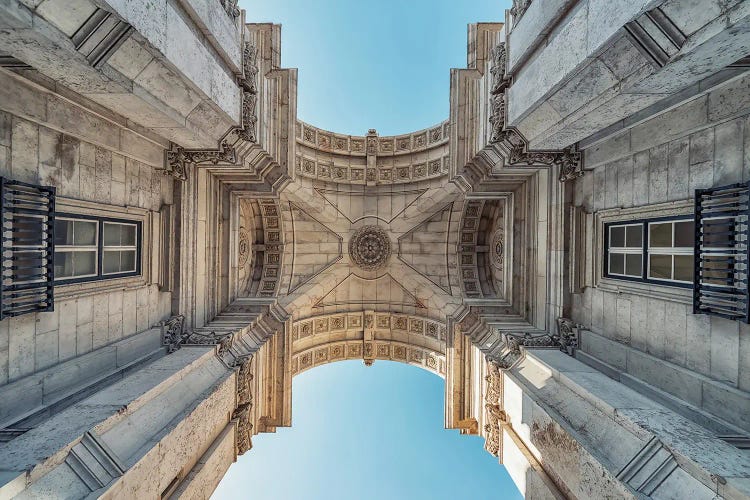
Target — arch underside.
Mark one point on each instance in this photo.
(369, 336)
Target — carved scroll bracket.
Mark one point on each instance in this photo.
(178, 158)
(514, 144)
(243, 413)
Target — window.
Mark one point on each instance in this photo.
(91, 248)
(654, 251)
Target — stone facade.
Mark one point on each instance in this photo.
(480, 249)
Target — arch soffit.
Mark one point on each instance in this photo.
(369, 336)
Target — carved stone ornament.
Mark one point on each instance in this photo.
(244, 435)
(177, 158)
(516, 145)
(497, 249)
(230, 6)
(491, 400)
(244, 248)
(244, 381)
(172, 333)
(249, 82)
(571, 166)
(370, 248)
(567, 332)
(223, 340)
(497, 98)
(250, 68)
(518, 9)
(248, 130)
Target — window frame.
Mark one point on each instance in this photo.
(645, 250)
(100, 275)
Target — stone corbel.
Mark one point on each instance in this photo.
(567, 332)
(177, 159)
(249, 83)
(231, 7)
(511, 141)
(518, 9)
(243, 414)
(172, 332)
(492, 400)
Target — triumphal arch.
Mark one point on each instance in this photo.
(568, 249)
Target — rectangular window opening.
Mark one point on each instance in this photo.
(651, 251)
(95, 248)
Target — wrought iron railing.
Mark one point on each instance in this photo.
(721, 252)
(27, 247)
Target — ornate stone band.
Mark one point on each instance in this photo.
(370, 248)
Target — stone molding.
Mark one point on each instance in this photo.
(514, 145)
(372, 159)
(231, 7)
(177, 158)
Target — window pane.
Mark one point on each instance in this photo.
(633, 264)
(73, 264)
(63, 264)
(111, 262)
(684, 234)
(63, 232)
(661, 266)
(635, 236)
(111, 234)
(683, 267)
(660, 235)
(616, 263)
(85, 233)
(127, 261)
(617, 236)
(127, 235)
(84, 263)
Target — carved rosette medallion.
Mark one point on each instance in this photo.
(370, 248)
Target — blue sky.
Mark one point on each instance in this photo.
(367, 433)
(381, 64)
(359, 432)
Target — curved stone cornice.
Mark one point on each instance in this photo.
(371, 159)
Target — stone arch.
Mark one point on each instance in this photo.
(369, 336)
(484, 247)
(260, 245)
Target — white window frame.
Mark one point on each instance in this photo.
(120, 248)
(624, 250)
(80, 248)
(671, 251)
(598, 266)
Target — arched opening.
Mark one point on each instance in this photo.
(383, 424)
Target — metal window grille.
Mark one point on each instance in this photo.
(721, 252)
(27, 247)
